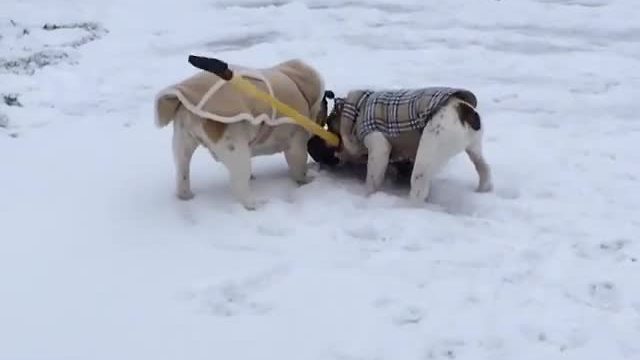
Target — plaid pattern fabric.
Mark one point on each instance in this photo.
(395, 111)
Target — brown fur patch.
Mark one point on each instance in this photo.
(469, 115)
(214, 129)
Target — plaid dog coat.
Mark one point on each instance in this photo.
(392, 112)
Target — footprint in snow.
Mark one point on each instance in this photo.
(583, 3)
(366, 233)
(594, 87)
(613, 246)
(562, 339)
(508, 193)
(257, 4)
(407, 315)
(446, 349)
(4, 120)
(342, 355)
(274, 230)
(383, 302)
(617, 249)
(400, 314)
(389, 7)
(636, 307)
(232, 299)
(603, 295)
(499, 99)
(238, 297)
(240, 42)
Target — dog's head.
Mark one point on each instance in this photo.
(317, 147)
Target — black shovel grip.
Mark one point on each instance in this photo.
(215, 66)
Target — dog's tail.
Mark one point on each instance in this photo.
(468, 115)
(166, 107)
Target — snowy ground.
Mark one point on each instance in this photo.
(98, 260)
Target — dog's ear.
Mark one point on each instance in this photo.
(329, 94)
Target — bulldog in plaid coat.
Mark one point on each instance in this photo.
(425, 127)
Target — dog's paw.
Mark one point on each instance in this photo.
(185, 195)
(304, 180)
(418, 197)
(486, 187)
(253, 204)
(370, 191)
(250, 205)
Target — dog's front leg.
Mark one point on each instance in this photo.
(379, 150)
(296, 156)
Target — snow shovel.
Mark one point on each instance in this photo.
(221, 69)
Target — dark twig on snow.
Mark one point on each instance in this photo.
(95, 31)
(11, 100)
(4, 121)
(28, 65)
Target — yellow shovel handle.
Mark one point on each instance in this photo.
(221, 69)
(246, 86)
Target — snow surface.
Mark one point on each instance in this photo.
(99, 260)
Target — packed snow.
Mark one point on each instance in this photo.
(100, 260)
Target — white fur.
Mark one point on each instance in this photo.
(234, 150)
(379, 150)
(444, 137)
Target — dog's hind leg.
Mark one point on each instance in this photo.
(184, 146)
(426, 164)
(234, 152)
(296, 156)
(474, 151)
(379, 150)
(443, 137)
(470, 116)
